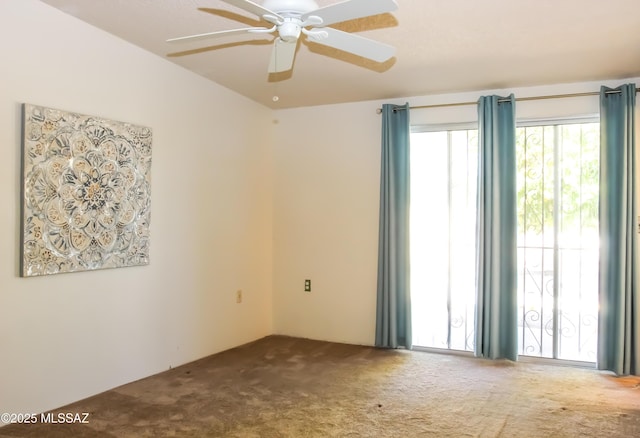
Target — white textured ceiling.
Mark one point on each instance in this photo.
(442, 46)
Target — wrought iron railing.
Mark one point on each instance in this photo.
(558, 319)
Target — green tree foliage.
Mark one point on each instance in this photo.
(559, 161)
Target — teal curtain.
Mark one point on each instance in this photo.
(393, 313)
(618, 323)
(496, 270)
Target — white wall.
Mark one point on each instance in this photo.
(68, 336)
(326, 179)
(326, 185)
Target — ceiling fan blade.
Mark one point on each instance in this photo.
(217, 34)
(282, 55)
(252, 7)
(350, 10)
(355, 44)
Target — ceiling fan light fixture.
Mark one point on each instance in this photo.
(289, 31)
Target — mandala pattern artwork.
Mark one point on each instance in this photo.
(87, 192)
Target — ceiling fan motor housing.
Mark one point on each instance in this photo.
(290, 7)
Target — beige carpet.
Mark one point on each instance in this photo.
(288, 387)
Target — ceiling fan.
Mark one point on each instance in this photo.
(292, 19)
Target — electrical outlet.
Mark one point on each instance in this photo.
(239, 296)
(307, 285)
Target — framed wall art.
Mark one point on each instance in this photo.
(86, 200)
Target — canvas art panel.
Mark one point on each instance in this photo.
(86, 192)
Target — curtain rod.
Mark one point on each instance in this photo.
(518, 99)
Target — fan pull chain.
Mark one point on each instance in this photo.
(275, 97)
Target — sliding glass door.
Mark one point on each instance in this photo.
(557, 190)
(443, 186)
(558, 240)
